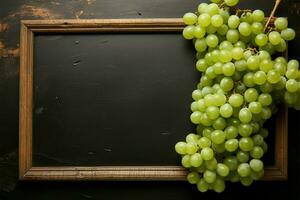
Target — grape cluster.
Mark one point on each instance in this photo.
(244, 76)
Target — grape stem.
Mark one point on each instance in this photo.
(277, 2)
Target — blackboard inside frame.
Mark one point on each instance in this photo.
(39, 97)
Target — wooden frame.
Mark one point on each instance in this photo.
(29, 172)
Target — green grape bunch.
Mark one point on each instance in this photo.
(244, 76)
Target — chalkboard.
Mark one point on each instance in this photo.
(111, 99)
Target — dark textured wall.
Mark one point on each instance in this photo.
(12, 11)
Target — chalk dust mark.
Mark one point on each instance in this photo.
(78, 14)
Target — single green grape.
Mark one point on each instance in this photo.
(253, 62)
(245, 29)
(274, 37)
(257, 28)
(232, 35)
(219, 123)
(202, 7)
(292, 73)
(240, 65)
(246, 144)
(265, 99)
(255, 107)
(190, 18)
(236, 100)
(237, 53)
(281, 23)
(202, 185)
(273, 76)
(185, 161)
(266, 87)
(196, 95)
(231, 145)
(233, 21)
(195, 117)
(288, 34)
(258, 140)
(211, 29)
(222, 170)
(201, 65)
(251, 95)
(226, 84)
(259, 77)
(248, 79)
(188, 32)
(200, 45)
(222, 30)
(212, 9)
(209, 176)
(245, 130)
(282, 46)
(217, 20)
(280, 68)
(226, 45)
(257, 152)
(245, 115)
(231, 2)
(291, 85)
(240, 44)
(191, 148)
(194, 106)
(228, 69)
(204, 142)
(226, 110)
(199, 32)
(246, 181)
(293, 64)
(196, 160)
(231, 132)
(256, 165)
(191, 138)
(193, 177)
(207, 153)
(212, 112)
(261, 39)
(212, 40)
(225, 56)
(266, 113)
(242, 156)
(244, 169)
(180, 148)
(258, 15)
(218, 136)
(204, 20)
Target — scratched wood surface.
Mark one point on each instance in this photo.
(11, 12)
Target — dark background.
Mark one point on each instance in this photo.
(11, 12)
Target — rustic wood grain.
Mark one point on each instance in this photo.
(28, 172)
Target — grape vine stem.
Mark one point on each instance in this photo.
(277, 2)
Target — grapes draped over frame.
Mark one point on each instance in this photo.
(244, 76)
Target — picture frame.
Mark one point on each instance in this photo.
(75, 173)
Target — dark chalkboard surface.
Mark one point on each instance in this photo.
(111, 99)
